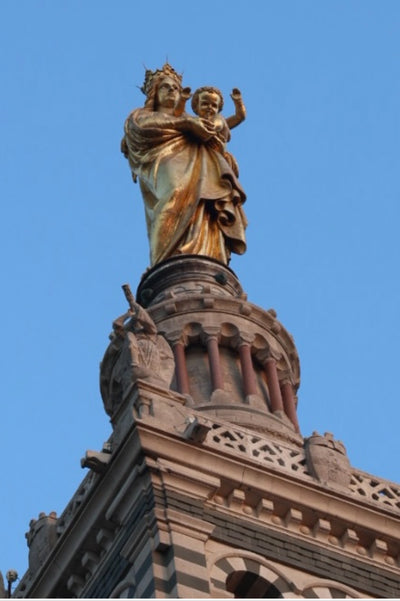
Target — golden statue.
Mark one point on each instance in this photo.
(193, 199)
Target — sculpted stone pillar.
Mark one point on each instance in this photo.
(289, 403)
(273, 385)
(182, 378)
(246, 364)
(217, 381)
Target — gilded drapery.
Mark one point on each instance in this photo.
(193, 200)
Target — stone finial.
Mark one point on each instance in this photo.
(327, 459)
(41, 538)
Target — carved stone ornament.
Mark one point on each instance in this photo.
(327, 459)
(136, 352)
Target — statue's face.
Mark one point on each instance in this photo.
(167, 93)
(208, 105)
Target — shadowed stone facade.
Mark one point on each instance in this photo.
(206, 487)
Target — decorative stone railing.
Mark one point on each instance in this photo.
(261, 449)
(371, 488)
(363, 485)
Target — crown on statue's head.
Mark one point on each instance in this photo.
(152, 76)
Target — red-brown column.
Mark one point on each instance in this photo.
(217, 381)
(273, 385)
(289, 403)
(180, 368)
(248, 375)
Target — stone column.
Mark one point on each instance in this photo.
(217, 381)
(246, 364)
(289, 403)
(273, 385)
(182, 378)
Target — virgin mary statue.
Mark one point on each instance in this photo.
(193, 199)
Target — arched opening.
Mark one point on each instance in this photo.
(246, 585)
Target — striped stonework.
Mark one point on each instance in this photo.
(164, 574)
(254, 575)
(328, 589)
(191, 570)
(152, 575)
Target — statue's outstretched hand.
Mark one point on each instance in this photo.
(186, 93)
(236, 94)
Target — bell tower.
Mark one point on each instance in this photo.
(207, 487)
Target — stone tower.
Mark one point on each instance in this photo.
(206, 487)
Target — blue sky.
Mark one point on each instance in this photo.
(319, 160)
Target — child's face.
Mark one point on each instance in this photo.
(208, 105)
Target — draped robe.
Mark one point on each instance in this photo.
(193, 200)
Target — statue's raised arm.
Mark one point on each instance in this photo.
(193, 199)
